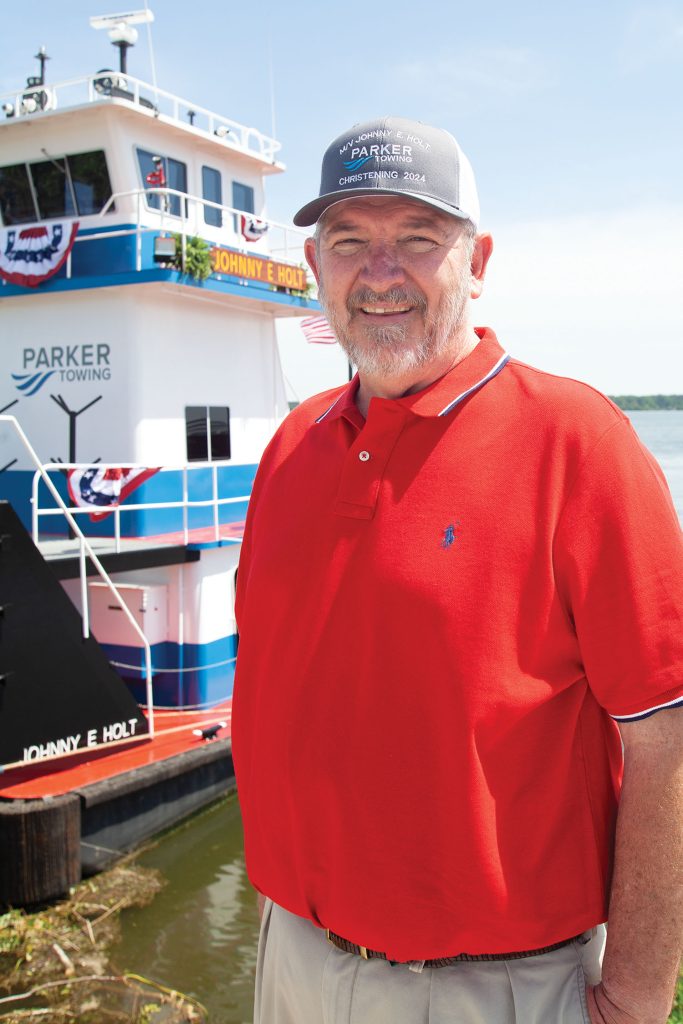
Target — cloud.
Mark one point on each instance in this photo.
(487, 72)
(652, 35)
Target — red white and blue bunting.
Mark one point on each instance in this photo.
(100, 490)
(252, 229)
(31, 255)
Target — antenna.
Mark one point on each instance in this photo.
(151, 51)
(121, 32)
(272, 83)
(131, 18)
(42, 57)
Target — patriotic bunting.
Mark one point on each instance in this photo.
(252, 229)
(101, 490)
(31, 255)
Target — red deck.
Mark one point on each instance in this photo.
(173, 735)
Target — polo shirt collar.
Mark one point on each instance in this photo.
(440, 398)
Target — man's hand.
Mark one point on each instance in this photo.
(602, 1010)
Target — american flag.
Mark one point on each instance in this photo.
(317, 331)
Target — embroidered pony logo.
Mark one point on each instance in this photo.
(450, 535)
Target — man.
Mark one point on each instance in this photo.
(459, 588)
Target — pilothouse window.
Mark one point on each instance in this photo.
(164, 172)
(242, 197)
(53, 189)
(90, 180)
(16, 198)
(207, 430)
(60, 186)
(211, 190)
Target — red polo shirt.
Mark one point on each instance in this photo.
(440, 608)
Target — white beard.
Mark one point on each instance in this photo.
(388, 351)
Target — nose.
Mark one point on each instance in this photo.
(381, 268)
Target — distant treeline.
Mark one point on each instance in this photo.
(633, 402)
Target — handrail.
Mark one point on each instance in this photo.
(168, 221)
(290, 250)
(166, 104)
(185, 503)
(85, 548)
(188, 197)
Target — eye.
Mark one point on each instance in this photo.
(347, 246)
(419, 243)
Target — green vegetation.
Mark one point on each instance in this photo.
(55, 964)
(677, 1009)
(198, 263)
(631, 403)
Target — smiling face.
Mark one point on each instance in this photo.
(395, 277)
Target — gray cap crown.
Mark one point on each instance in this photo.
(396, 156)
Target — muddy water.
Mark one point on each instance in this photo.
(199, 934)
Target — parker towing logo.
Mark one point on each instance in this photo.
(67, 363)
(385, 153)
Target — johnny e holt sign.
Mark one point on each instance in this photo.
(256, 268)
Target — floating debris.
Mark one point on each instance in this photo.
(55, 964)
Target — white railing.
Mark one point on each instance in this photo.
(86, 549)
(283, 241)
(185, 503)
(107, 86)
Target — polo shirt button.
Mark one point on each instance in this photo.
(363, 456)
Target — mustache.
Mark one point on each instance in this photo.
(392, 297)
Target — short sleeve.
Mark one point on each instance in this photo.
(618, 559)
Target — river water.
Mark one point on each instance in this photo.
(199, 935)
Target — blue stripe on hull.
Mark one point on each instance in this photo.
(206, 671)
(106, 262)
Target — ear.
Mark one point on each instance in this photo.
(311, 257)
(483, 247)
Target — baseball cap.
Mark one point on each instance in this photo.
(396, 156)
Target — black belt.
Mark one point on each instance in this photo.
(444, 961)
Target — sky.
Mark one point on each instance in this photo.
(570, 115)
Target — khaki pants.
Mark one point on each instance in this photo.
(302, 979)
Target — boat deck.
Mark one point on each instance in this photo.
(173, 735)
(133, 553)
(68, 547)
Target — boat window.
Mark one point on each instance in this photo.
(58, 187)
(242, 197)
(211, 190)
(164, 172)
(207, 430)
(90, 180)
(16, 199)
(219, 423)
(53, 189)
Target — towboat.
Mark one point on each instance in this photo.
(141, 279)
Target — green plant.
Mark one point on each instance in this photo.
(677, 1008)
(198, 263)
(147, 1012)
